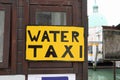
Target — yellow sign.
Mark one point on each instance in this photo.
(54, 43)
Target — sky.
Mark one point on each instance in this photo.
(110, 9)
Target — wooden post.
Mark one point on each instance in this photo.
(114, 70)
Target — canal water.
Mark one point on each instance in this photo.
(103, 74)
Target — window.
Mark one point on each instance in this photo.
(50, 18)
(2, 18)
(50, 15)
(4, 35)
(90, 49)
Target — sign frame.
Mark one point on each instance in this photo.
(70, 76)
(70, 40)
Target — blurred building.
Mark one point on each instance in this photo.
(95, 23)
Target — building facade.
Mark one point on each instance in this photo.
(95, 23)
(15, 15)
